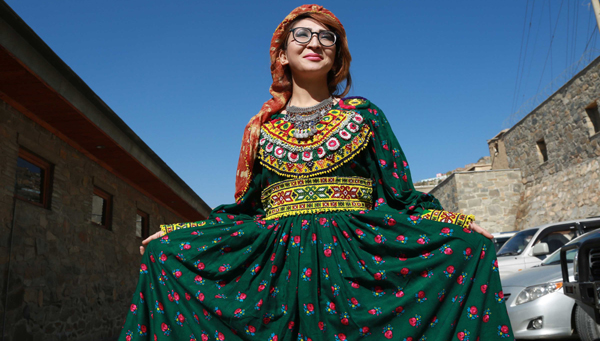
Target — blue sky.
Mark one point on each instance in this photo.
(186, 76)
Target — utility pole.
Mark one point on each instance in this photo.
(597, 12)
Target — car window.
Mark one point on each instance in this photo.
(554, 258)
(590, 226)
(556, 239)
(516, 244)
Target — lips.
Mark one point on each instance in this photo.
(313, 56)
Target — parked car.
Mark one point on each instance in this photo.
(502, 237)
(536, 305)
(530, 246)
(584, 285)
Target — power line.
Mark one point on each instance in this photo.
(517, 80)
(550, 49)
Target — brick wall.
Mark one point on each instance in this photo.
(69, 279)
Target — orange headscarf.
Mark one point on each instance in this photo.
(281, 89)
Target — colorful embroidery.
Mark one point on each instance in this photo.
(314, 195)
(449, 217)
(341, 135)
(172, 227)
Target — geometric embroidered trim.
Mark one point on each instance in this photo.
(459, 219)
(317, 195)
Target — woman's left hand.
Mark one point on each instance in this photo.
(481, 230)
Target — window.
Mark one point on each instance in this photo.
(101, 208)
(141, 225)
(543, 153)
(33, 179)
(594, 117)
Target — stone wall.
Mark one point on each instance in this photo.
(446, 193)
(69, 279)
(573, 148)
(492, 196)
(571, 193)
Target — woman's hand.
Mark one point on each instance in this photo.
(145, 242)
(480, 229)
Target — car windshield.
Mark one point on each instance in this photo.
(554, 258)
(516, 244)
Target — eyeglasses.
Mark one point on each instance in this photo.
(303, 35)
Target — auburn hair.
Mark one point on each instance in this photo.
(340, 71)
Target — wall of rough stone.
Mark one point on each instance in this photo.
(571, 193)
(572, 146)
(492, 196)
(446, 193)
(69, 279)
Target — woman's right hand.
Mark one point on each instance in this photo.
(145, 242)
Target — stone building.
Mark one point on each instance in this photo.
(545, 168)
(78, 192)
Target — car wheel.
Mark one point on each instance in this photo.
(587, 328)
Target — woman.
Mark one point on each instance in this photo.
(328, 239)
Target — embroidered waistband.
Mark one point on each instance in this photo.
(316, 195)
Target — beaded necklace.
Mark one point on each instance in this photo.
(306, 119)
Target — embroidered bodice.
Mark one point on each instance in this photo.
(341, 135)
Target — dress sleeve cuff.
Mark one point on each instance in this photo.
(449, 217)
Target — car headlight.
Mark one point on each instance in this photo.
(536, 291)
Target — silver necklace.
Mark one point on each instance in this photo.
(306, 119)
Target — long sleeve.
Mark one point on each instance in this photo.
(393, 182)
(247, 208)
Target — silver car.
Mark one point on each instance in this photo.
(536, 305)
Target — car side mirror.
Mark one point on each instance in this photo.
(541, 249)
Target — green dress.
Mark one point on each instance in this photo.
(328, 243)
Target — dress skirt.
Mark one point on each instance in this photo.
(331, 276)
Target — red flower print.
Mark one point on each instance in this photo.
(164, 326)
(468, 251)
(448, 251)
(314, 237)
(359, 232)
(486, 318)
(388, 334)
(460, 336)
(335, 239)
(484, 288)
(251, 328)
(341, 336)
(402, 257)
(143, 267)
(310, 307)
(344, 321)
(273, 257)
(308, 272)
(355, 285)
(365, 330)
(221, 337)
(501, 294)
(297, 239)
(392, 222)
(412, 321)
(450, 269)
(354, 301)
(421, 294)
(321, 325)
(398, 310)
(163, 257)
(399, 293)
(181, 318)
(152, 259)
(473, 310)
(378, 239)
(404, 271)
(322, 221)
(291, 325)
(327, 252)
(504, 329)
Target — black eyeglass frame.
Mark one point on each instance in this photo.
(293, 30)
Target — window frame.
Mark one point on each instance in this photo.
(145, 224)
(593, 116)
(107, 209)
(46, 187)
(542, 152)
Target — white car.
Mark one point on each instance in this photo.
(502, 237)
(535, 302)
(530, 246)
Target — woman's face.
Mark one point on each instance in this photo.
(310, 60)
